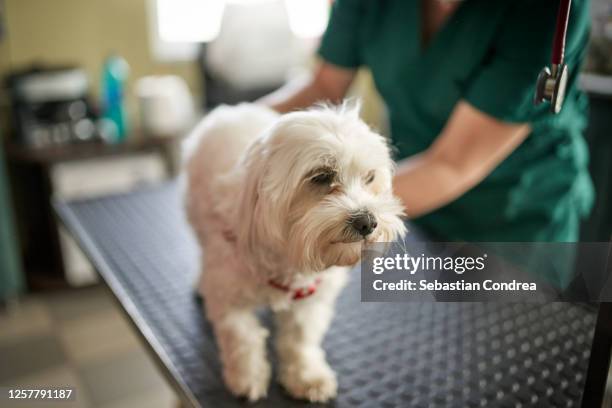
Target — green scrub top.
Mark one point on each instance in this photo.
(488, 53)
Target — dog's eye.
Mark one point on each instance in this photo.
(323, 178)
(370, 177)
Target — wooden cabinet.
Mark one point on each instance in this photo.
(73, 171)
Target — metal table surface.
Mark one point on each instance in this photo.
(385, 354)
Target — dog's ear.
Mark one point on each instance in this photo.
(253, 224)
(251, 168)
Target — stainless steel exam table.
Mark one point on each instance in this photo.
(385, 354)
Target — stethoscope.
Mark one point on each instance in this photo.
(552, 82)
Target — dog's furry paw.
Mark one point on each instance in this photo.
(312, 382)
(252, 385)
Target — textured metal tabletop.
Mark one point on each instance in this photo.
(385, 354)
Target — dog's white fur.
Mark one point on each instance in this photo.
(260, 211)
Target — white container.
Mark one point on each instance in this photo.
(166, 105)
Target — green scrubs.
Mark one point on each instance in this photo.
(488, 53)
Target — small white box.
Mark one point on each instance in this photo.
(96, 177)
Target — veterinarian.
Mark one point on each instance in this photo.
(477, 160)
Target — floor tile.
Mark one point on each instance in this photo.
(119, 377)
(27, 317)
(79, 338)
(162, 397)
(102, 335)
(28, 355)
(68, 305)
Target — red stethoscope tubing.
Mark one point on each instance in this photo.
(558, 53)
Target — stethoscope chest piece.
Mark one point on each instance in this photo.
(551, 87)
(552, 83)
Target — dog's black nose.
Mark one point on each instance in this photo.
(364, 223)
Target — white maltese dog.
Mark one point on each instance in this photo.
(281, 205)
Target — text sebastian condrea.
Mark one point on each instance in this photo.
(459, 285)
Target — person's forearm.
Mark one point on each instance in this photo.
(469, 148)
(294, 95)
(425, 183)
(329, 83)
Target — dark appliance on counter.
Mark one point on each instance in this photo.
(50, 106)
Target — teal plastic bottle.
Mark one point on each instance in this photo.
(114, 77)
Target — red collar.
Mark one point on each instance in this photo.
(299, 293)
